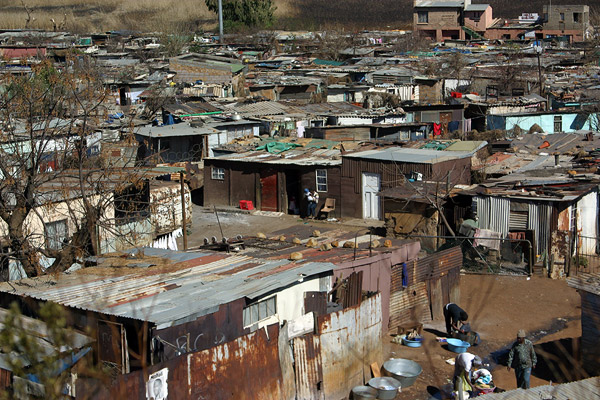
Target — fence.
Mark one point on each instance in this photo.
(585, 255)
(491, 255)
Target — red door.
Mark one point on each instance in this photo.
(268, 186)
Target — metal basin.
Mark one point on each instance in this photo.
(387, 388)
(364, 393)
(405, 371)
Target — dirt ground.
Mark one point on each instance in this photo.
(498, 306)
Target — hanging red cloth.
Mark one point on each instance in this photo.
(437, 129)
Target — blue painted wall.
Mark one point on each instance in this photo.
(570, 121)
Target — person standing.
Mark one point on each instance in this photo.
(453, 314)
(312, 203)
(523, 356)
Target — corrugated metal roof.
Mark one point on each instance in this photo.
(585, 389)
(587, 282)
(420, 156)
(261, 108)
(467, 145)
(179, 291)
(297, 156)
(181, 129)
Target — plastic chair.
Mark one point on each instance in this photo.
(328, 207)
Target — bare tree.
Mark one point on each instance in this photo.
(55, 200)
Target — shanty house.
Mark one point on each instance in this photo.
(181, 302)
(557, 214)
(193, 67)
(588, 286)
(366, 173)
(274, 176)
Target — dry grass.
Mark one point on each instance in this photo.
(103, 15)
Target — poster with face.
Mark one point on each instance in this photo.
(156, 387)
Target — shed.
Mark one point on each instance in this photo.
(366, 173)
(589, 290)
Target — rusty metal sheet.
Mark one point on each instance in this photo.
(307, 364)
(409, 305)
(247, 368)
(350, 341)
(315, 302)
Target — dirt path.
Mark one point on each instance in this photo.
(498, 306)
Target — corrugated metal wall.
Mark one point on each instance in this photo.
(350, 341)
(309, 373)
(590, 331)
(540, 223)
(412, 304)
(493, 213)
(247, 368)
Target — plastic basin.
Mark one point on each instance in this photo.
(457, 345)
(411, 343)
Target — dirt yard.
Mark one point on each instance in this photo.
(498, 306)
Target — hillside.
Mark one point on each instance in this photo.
(192, 15)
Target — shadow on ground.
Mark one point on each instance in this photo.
(558, 361)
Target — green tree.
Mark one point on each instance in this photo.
(35, 349)
(252, 13)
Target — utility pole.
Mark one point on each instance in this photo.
(183, 216)
(221, 21)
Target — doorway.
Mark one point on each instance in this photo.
(268, 190)
(371, 185)
(293, 192)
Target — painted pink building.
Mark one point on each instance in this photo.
(451, 19)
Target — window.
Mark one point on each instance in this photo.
(218, 173)
(56, 234)
(562, 16)
(422, 17)
(321, 180)
(259, 311)
(558, 123)
(577, 17)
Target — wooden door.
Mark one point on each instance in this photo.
(268, 190)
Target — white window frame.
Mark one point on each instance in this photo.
(217, 173)
(259, 311)
(422, 17)
(55, 239)
(322, 184)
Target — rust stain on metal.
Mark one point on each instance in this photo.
(240, 268)
(307, 363)
(274, 271)
(244, 369)
(350, 341)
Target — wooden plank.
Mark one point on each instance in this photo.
(436, 298)
(375, 370)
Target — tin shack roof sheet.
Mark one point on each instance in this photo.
(418, 156)
(585, 389)
(185, 287)
(297, 156)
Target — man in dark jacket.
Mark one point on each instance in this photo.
(453, 314)
(523, 356)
